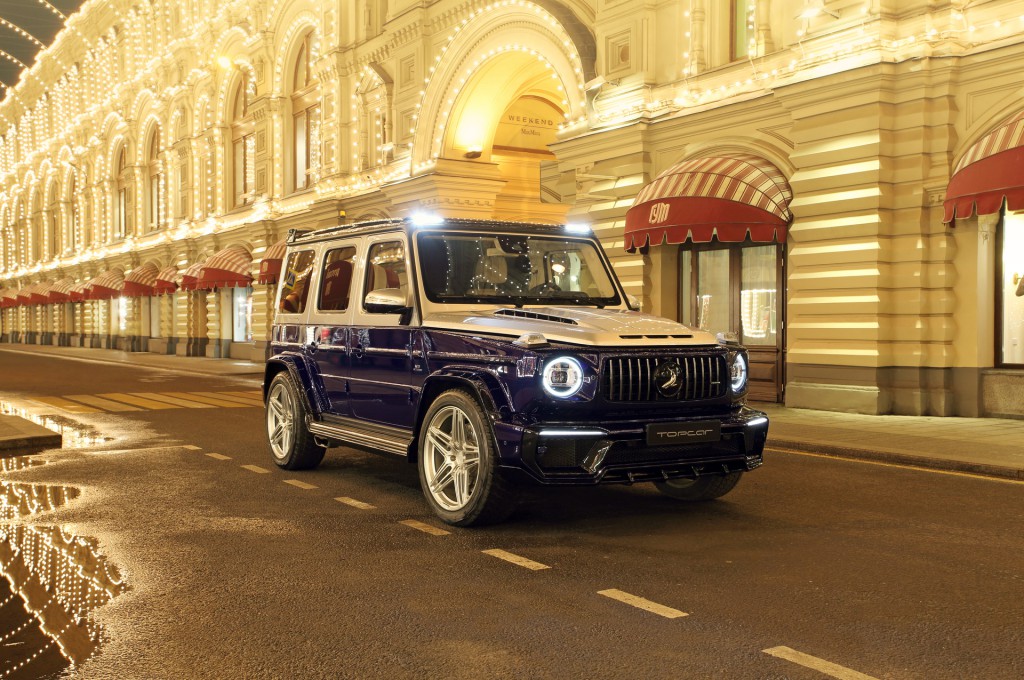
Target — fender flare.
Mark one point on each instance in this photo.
(296, 367)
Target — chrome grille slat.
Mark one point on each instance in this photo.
(631, 378)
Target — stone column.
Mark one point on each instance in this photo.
(217, 308)
(180, 303)
(262, 319)
(133, 341)
(198, 334)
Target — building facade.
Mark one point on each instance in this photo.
(832, 180)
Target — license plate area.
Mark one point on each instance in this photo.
(664, 434)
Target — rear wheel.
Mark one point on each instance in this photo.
(458, 463)
(291, 444)
(706, 488)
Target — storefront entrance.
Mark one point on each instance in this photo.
(737, 288)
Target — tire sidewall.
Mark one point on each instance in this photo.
(297, 419)
(488, 457)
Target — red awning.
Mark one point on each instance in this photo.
(730, 197)
(60, 291)
(39, 295)
(106, 286)
(228, 268)
(989, 173)
(77, 292)
(30, 294)
(166, 281)
(190, 277)
(270, 265)
(8, 298)
(140, 281)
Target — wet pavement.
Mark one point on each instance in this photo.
(232, 568)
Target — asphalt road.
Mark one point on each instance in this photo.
(811, 568)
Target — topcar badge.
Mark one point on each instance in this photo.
(668, 378)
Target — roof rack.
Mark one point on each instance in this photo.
(301, 235)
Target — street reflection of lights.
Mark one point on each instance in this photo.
(73, 436)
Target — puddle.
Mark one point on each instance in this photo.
(19, 463)
(76, 435)
(53, 582)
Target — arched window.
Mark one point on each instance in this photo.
(74, 226)
(243, 148)
(55, 245)
(154, 180)
(35, 226)
(121, 200)
(305, 117)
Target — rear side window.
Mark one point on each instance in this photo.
(295, 282)
(336, 281)
(385, 267)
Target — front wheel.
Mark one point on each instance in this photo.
(458, 463)
(291, 444)
(706, 488)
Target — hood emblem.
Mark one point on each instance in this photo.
(668, 378)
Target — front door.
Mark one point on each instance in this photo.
(330, 318)
(738, 288)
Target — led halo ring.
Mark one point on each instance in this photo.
(569, 373)
(738, 373)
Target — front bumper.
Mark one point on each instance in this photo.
(618, 452)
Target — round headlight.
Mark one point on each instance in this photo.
(738, 373)
(562, 377)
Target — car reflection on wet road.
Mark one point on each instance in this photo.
(199, 558)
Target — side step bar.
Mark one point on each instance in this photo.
(397, 443)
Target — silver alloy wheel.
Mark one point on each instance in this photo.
(451, 458)
(279, 420)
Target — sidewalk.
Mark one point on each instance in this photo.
(986, 446)
(203, 365)
(19, 436)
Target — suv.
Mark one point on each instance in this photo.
(487, 352)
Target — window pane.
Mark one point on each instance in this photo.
(239, 170)
(241, 313)
(300, 151)
(758, 302)
(337, 279)
(742, 15)
(295, 282)
(1012, 244)
(386, 267)
(713, 290)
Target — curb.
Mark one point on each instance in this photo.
(897, 458)
(25, 437)
(257, 369)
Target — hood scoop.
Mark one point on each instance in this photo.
(528, 314)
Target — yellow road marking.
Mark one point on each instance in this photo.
(300, 484)
(138, 401)
(642, 603)
(202, 399)
(354, 503)
(255, 394)
(192, 447)
(227, 396)
(65, 405)
(814, 663)
(218, 456)
(902, 466)
(425, 528)
(257, 469)
(515, 559)
(100, 402)
(171, 400)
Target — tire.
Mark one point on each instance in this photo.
(292, 446)
(706, 488)
(459, 474)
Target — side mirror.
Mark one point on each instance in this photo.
(386, 300)
(633, 302)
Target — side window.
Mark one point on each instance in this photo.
(295, 282)
(385, 267)
(336, 282)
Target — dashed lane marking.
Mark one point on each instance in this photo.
(814, 663)
(515, 559)
(257, 469)
(100, 402)
(300, 484)
(138, 401)
(354, 503)
(206, 398)
(425, 528)
(65, 405)
(185, 403)
(642, 603)
(218, 456)
(192, 447)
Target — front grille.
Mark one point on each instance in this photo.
(691, 377)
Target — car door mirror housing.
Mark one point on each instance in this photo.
(385, 300)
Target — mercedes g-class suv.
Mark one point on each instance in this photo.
(489, 352)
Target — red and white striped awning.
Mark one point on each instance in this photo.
(140, 281)
(77, 292)
(60, 291)
(106, 286)
(990, 172)
(190, 277)
(270, 265)
(32, 294)
(729, 197)
(228, 268)
(166, 281)
(8, 297)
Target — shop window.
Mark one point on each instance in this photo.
(241, 314)
(1010, 292)
(154, 317)
(295, 282)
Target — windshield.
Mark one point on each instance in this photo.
(514, 269)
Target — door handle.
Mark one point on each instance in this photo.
(313, 345)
